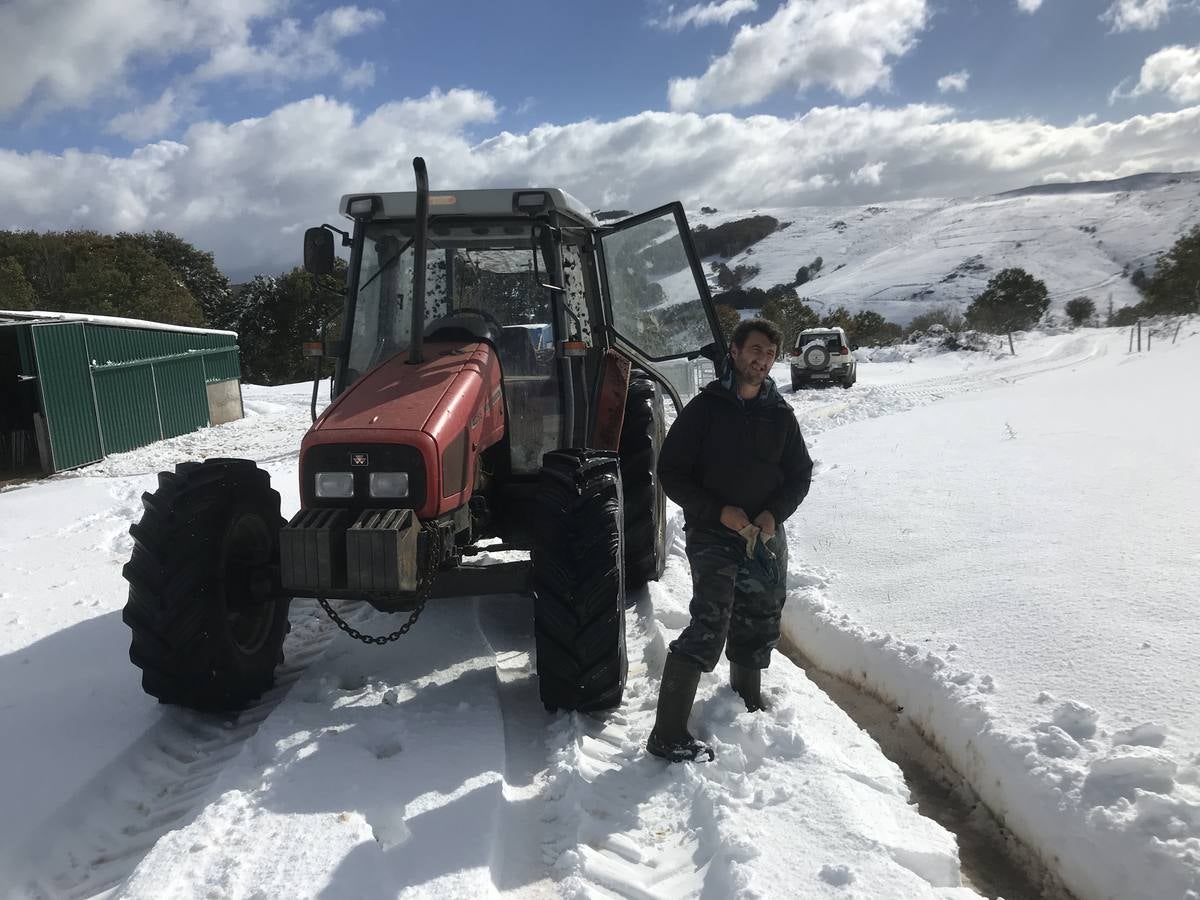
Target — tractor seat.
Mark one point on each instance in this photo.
(465, 327)
(517, 355)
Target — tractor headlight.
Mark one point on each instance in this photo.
(389, 484)
(335, 484)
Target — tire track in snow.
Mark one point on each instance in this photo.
(867, 401)
(633, 826)
(622, 832)
(92, 843)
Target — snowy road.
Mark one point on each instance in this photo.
(429, 768)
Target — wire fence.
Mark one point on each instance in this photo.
(1144, 331)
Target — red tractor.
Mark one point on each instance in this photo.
(497, 377)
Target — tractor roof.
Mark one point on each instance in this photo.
(491, 202)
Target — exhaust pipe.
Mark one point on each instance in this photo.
(415, 352)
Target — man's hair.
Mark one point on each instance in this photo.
(765, 327)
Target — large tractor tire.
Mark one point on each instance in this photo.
(578, 583)
(205, 607)
(645, 505)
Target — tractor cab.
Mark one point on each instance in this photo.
(534, 275)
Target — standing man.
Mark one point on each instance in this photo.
(736, 462)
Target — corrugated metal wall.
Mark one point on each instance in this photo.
(182, 380)
(67, 400)
(108, 389)
(127, 407)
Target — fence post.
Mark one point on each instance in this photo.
(1011, 349)
(1130, 338)
(1139, 324)
(1178, 325)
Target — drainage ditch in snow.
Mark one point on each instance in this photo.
(994, 862)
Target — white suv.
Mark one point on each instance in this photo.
(822, 356)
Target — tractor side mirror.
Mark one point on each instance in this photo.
(711, 352)
(318, 251)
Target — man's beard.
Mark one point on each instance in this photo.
(746, 375)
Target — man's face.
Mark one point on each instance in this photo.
(752, 361)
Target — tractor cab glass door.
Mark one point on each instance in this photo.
(658, 299)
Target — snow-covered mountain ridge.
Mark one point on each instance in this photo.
(900, 258)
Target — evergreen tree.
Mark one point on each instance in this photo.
(839, 318)
(946, 315)
(195, 268)
(792, 316)
(15, 290)
(1080, 310)
(88, 272)
(870, 329)
(274, 315)
(1175, 287)
(1012, 301)
(728, 317)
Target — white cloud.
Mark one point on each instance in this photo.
(153, 119)
(63, 52)
(871, 173)
(359, 77)
(701, 14)
(88, 48)
(1029, 6)
(955, 81)
(1137, 15)
(223, 183)
(290, 52)
(846, 45)
(1174, 71)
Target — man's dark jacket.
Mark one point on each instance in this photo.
(723, 451)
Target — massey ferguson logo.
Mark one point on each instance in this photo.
(359, 459)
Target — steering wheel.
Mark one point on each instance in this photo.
(483, 314)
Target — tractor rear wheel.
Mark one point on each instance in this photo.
(645, 505)
(207, 614)
(578, 583)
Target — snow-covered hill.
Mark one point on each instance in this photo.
(898, 259)
(1001, 548)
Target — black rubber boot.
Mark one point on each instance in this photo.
(747, 684)
(670, 739)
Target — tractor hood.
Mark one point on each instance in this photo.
(396, 395)
(432, 418)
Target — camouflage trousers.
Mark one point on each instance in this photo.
(737, 600)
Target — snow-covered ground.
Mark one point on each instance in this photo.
(898, 259)
(1018, 568)
(1003, 546)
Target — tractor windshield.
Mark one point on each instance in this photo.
(488, 267)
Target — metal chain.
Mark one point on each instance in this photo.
(422, 591)
(368, 638)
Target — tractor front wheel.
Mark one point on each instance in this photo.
(205, 607)
(578, 582)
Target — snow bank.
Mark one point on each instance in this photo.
(1016, 569)
(1114, 822)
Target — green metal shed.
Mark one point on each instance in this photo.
(75, 388)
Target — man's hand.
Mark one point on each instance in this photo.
(764, 520)
(734, 518)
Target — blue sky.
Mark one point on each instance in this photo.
(206, 117)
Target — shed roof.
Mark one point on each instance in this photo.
(12, 316)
